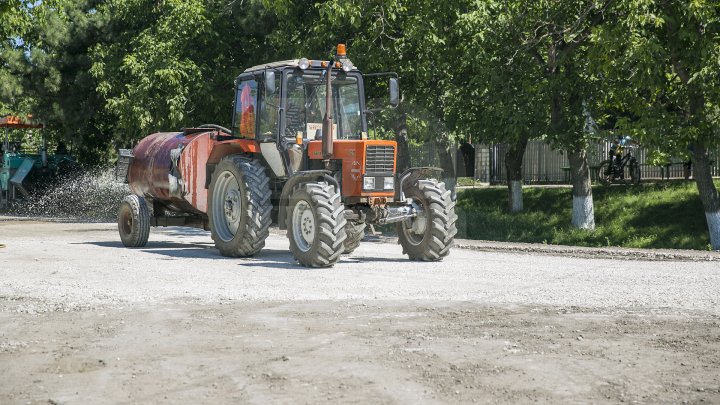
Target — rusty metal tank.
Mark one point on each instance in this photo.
(154, 169)
(172, 167)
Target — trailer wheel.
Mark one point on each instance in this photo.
(355, 232)
(239, 206)
(316, 224)
(134, 221)
(430, 235)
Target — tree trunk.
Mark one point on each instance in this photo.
(401, 137)
(513, 165)
(445, 152)
(583, 215)
(708, 193)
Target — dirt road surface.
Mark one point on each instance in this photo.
(85, 321)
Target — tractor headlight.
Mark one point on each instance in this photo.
(368, 183)
(303, 63)
(347, 66)
(388, 183)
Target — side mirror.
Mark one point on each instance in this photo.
(394, 92)
(269, 83)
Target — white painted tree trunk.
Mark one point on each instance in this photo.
(516, 196)
(708, 192)
(583, 215)
(713, 222)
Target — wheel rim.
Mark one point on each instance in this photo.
(227, 206)
(303, 225)
(126, 220)
(414, 228)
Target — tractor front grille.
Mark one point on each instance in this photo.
(380, 159)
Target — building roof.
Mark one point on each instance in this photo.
(12, 121)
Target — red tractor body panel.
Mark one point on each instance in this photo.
(352, 153)
(198, 153)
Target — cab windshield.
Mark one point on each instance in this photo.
(306, 105)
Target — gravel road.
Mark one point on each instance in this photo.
(85, 320)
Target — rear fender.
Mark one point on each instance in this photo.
(198, 160)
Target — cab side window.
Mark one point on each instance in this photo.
(269, 117)
(245, 109)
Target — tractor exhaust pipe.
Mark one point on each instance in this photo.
(327, 139)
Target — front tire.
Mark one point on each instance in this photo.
(355, 233)
(134, 221)
(316, 224)
(239, 206)
(430, 235)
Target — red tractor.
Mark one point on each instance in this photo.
(297, 155)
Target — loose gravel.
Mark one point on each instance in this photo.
(71, 265)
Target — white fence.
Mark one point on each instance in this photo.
(545, 165)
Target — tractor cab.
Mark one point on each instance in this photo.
(311, 115)
(291, 98)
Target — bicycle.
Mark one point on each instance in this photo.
(609, 173)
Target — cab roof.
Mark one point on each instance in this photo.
(274, 65)
(314, 64)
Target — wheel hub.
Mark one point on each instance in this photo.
(303, 223)
(232, 206)
(227, 206)
(126, 220)
(414, 228)
(419, 224)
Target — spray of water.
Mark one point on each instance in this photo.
(92, 196)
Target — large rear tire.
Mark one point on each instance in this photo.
(134, 221)
(316, 224)
(355, 233)
(430, 235)
(605, 173)
(239, 206)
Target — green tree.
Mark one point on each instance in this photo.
(174, 66)
(147, 76)
(15, 20)
(556, 35)
(499, 94)
(59, 81)
(662, 59)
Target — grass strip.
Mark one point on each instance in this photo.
(660, 215)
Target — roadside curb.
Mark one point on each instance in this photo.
(616, 253)
(590, 252)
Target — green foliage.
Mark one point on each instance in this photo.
(651, 216)
(661, 59)
(148, 79)
(103, 74)
(106, 73)
(14, 23)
